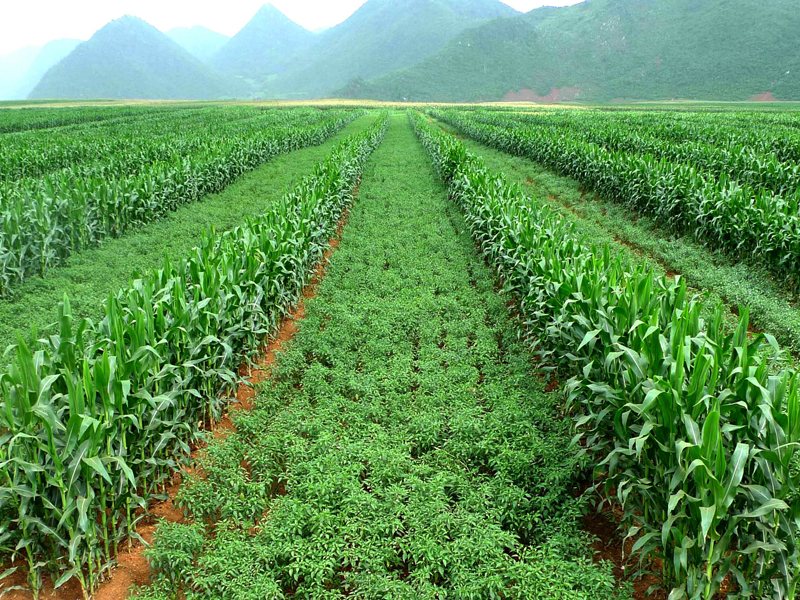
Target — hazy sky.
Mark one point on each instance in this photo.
(35, 22)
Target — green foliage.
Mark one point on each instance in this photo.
(745, 220)
(175, 547)
(26, 119)
(129, 58)
(695, 431)
(97, 418)
(615, 49)
(160, 589)
(734, 282)
(154, 135)
(43, 220)
(760, 150)
(401, 448)
(91, 275)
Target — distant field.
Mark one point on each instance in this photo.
(40, 103)
(346, 348)
(674, 105)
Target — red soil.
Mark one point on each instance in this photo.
(763, 97)
(609, 546)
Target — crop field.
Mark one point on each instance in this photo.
(258, 352)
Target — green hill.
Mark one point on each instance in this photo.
(380, 37)
(602, 50)
(265, 46)
(129, 58)
(199, 41)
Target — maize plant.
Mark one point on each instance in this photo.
(746, 221)
(763, 133)
(44, 220)
(696, 429)
(15, 121)
(748, 158)
(97, 417)
(126, 145)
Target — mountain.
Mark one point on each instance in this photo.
(13, 68)
(602, 50)
(264, 47)
(380, 37)
(199, 41)
(129, 58)
(50, 54)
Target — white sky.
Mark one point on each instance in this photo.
(35, 22)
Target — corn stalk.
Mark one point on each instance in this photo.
(695, 431)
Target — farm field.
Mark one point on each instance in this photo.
(535, 327)
(773, 306)
(30, 305)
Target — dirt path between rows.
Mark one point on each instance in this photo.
(132, 568)
(670, 271)
(607, 543)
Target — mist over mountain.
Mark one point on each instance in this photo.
(199, 41)
(13, 68)
(267, 45)
(128, 58)
(49, 55)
